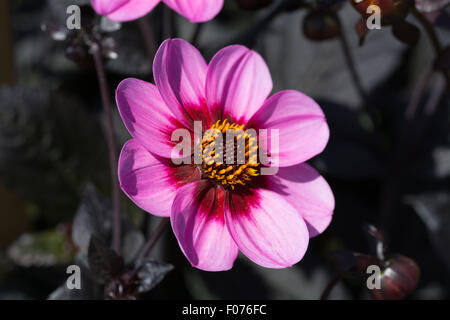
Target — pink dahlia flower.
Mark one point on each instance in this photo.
(214, 215)
(126, 10)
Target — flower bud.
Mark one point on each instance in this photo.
(253, 4)
(294, 5)
(78, 52)
(398, 278)
(321, 25)
(123, 287)
(391, 11)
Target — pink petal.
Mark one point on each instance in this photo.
(196, 10)
(146, 116)
(238, 82)
(150, 183)
(105, 7)
(198, 223)
(124, 10)
(308, 192)
(180, 75)
(266, 228)
(303, 130)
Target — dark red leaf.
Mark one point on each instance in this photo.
(406, 32)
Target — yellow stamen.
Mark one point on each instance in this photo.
(229, 175)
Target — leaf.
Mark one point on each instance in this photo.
(299, 282)
(131, 57)
(245, 275)
(58, 8)
(441, 157)
(94, 217)
(431, 5)
(108, 25)
(151, 273)
(443, 60)
(361, 30)
(44, 156)
(132, 243)
(345, 259)
(434, 210)
(442, 20)
(376, 241)
(104, 263)
(57, 32)
(362, 157)
(90, 290)
(364, 260)
(375, 233)
(406, 32)
(348, 261)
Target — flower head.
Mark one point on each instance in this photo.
(216, 208)
(126, 10)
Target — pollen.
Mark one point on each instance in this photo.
(230, 154)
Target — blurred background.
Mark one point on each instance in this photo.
(385, 95)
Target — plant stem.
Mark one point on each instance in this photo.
(159, 231)
(356, 78)
(413, 106)
(196, 35)
(351, 67)
(333, 282)
(249, 36)
(428, 29)
(437, 92)
(435, 97)
(391, 186)
(433, 37)
(112, 144)
(167, 23)
(6, 54)
(148, 37)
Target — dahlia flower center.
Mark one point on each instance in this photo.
(232, 159)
